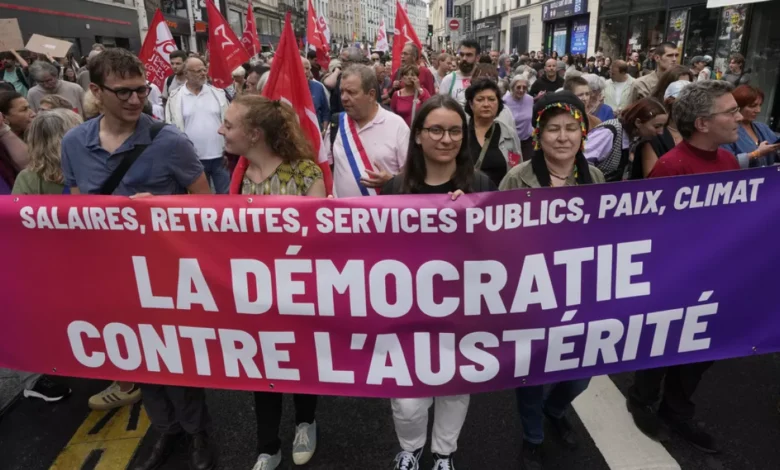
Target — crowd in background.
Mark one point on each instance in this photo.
(469, 122)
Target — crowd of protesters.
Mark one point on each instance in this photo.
(460, 123)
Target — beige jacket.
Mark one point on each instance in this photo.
(522, 176)
(643, 87)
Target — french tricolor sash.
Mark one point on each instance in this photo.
(357, 158)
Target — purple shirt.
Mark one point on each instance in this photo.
(522, 110)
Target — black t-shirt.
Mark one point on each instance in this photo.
(480, 184)
(543, 84)
(494, 164)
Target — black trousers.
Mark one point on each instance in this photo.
(268, 411)
(175, 409)
(679, 386)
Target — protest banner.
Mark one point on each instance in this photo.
(46, 45)
(10, 35)
(392, 296)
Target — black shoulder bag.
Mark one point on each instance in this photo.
(110, 185)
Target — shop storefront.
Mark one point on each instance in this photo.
(762, 52)
(640, 25)
(487, 32)
(80, 23)
(566, 25)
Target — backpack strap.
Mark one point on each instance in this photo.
(613, 164)
(110, 185)
(452, 84)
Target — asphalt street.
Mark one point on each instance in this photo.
(737, 401)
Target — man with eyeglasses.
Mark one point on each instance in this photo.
(707, 116)
(198, 110)
(165, 163)
(456, 83)
(46, 76)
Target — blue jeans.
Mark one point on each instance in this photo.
(532, 403)
(217, 174)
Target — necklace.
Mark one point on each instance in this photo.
(562, 178)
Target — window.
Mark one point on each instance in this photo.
(234, 18)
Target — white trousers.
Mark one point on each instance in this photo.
(411, 422)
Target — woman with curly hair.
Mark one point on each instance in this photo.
(277, 160)
(44, 141)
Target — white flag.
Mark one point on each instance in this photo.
(381, 37)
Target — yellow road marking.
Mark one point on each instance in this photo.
(114, 439)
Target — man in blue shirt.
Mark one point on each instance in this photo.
(319, 95)
(168, 165)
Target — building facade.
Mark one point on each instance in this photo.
(438, 19)
(81, 22)
(417, 10)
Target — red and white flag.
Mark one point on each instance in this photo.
(316, 38)
(249, 39)
(323, 23)
(225, 50)
(404, 34)
(381, 37)
(287, 82)
(155, 53)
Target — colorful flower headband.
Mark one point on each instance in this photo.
(576, 114)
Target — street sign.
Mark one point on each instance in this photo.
(454, 24)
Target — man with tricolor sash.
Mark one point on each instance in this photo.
(371, 143)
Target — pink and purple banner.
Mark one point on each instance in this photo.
(392, 296)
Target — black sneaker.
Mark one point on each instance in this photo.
(647, 420)
(443, 462)
(692, 432)
(531, 456)
(564, 429)
(408, 460)
(48, 389)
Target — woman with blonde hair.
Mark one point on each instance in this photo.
(277, 160)
(44, 140)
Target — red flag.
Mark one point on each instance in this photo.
(225, 51)
(156, 51)
(249, 39)
(316, 38)
(404, 34)
(287, 82)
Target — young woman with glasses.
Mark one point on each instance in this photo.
(438, 162)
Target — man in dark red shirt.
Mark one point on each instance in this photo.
(411, 55)
(707, 117)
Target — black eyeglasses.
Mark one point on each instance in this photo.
(437, 133)
(124, 94)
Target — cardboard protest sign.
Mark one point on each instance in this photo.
(47, 45)
(10, 35)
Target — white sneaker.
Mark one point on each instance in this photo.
(305, 443)
(268, 462)
(408, 460)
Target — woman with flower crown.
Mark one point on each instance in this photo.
(560, 129)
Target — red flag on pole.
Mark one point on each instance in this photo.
(287, 82)
(225, 50)
(249, 39)
(404, 34)
(156, 50)
(316, 38)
